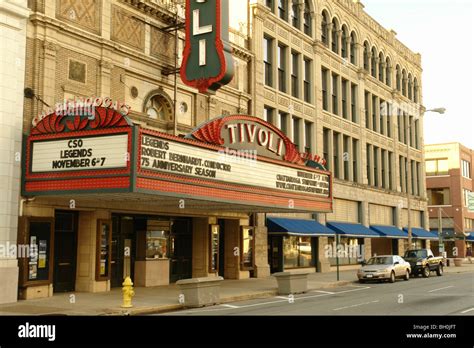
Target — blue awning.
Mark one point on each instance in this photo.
(447, 233)
(352, 230)
(389, 231)
(421, 233)
(470, 238)
(297, 227)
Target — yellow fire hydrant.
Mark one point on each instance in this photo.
(128, 293)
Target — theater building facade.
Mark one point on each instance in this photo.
(149, 176)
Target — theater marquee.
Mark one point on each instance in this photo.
(235, 160)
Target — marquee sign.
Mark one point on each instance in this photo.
(86, 141)
(167, 156)
(207, 60)
(102, 152)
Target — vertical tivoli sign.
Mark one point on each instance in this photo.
(207, 60)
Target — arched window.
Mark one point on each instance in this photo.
(398, 77)
(410, 87)
(345, 41)
(295, 14)
(158, 106)
(404, 82)
(325, 28)
(373, 63)
(388, 72)
(366, 56)
(283, 9)
(307, 24)
(381, 67)
(335, 36)
(415, 90)
(353, 46)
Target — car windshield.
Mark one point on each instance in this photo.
(415, 254)
(380, 261)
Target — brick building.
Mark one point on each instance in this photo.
(448, 183)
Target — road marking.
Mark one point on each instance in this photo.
(230, 306)
(468, 310)
(324, 292)
(446, 287)
(282, 299)
(356, 305)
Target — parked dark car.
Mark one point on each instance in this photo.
(423, 262)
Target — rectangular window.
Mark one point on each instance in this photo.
(268, 60)
(268, 114)
(389, 119)
(295, 14)
(418, 181)
(335, 87)
(307, 80)
(437, 166)
(325, 88)
(466, 197)
(405, 128)
(369, 171)
(269, 4)
(295, 58)
(284, 122)
(376, 166)
(297, 252)
(281, 68)
(296, 132)
(466, 169)
(335, 147)
(382, 116)
(417, 134)
(354, 103)
(438, 196)
(307, 19)
(247, 246)
(367, 109)
(308, 136)
(326, 135)
(374, 113)
(390, 164)
(406, 174)
(345, 156)
(344, 99)
(401, 173)
(410, 131)
(382, 165)
(355, 160)
(400, 125)
(283, 9)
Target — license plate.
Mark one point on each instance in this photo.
(369, 275)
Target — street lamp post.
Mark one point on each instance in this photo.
(408, 172)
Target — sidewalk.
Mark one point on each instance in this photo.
(166, 298)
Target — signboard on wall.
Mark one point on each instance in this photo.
(72, 154)
(162, 155)
(207, 59)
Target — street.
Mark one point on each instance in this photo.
(451, 294)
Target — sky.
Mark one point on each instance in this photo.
(442, 32)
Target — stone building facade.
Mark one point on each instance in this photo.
(13, 20)
(344, 87)
(324, 72)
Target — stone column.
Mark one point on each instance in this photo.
(322, 263)
(200, 262)
(262, 268)
(13, 20)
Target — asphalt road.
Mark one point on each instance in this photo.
(451, 294)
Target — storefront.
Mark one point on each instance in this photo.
(105, 199)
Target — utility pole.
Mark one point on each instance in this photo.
(408, 176)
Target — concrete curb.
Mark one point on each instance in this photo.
(229, 299)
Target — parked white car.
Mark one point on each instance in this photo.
(384, 267)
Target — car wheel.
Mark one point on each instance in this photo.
(426, 272)
(407, 275)
(362, 281)
(392, 277)
(439, 270)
